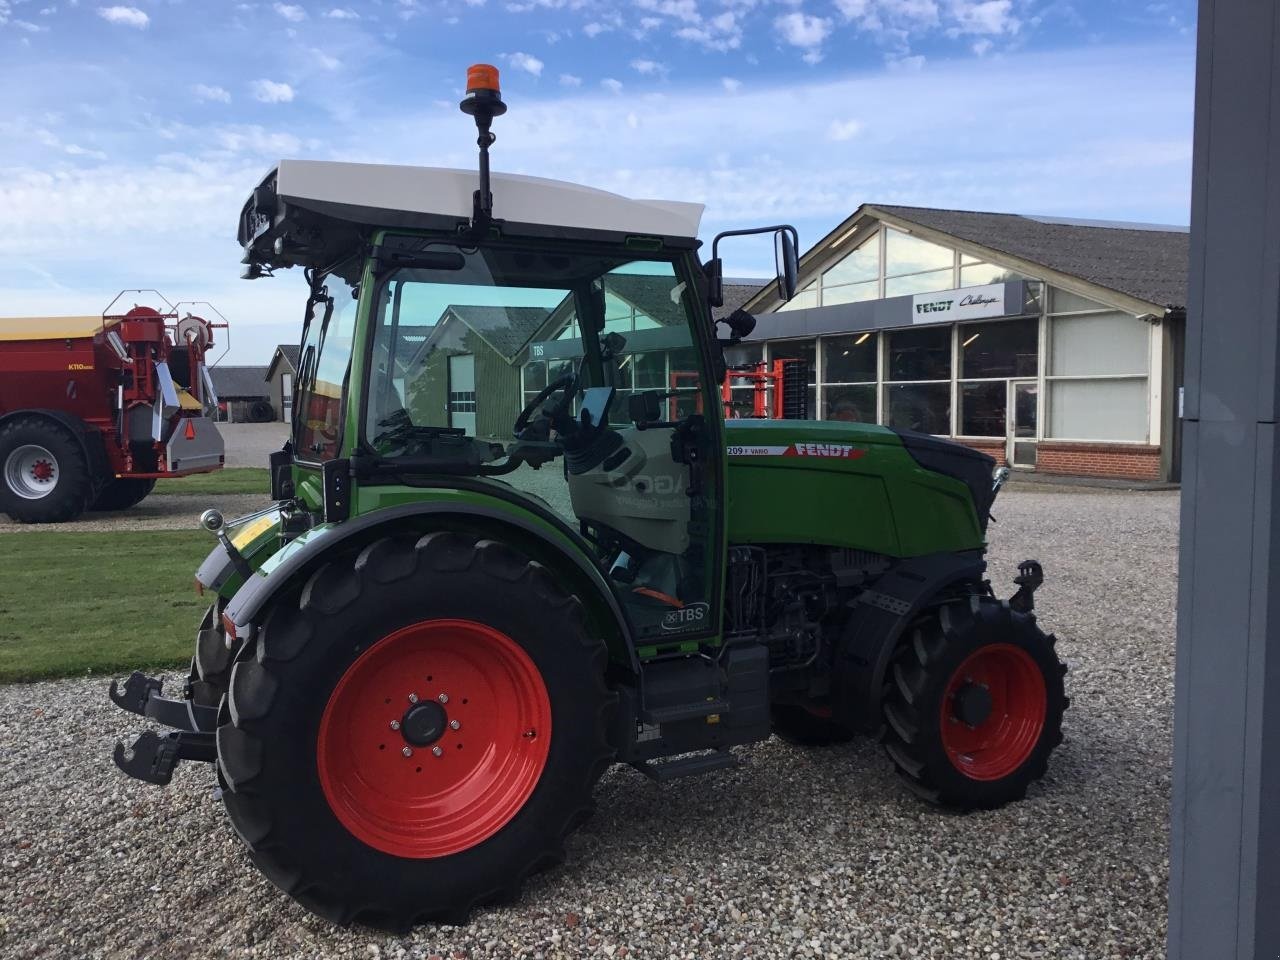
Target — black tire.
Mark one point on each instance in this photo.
(934, 649)
(795, 724)
(72, 487)
(267, 752)
(121, 493)
(211, 664)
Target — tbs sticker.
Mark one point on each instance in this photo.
(686, 618)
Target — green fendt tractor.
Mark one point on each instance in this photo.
(514, 541)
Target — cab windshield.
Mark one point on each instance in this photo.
(572, 374)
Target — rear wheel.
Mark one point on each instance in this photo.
(44, 473)
(974, 704)
(416, 732)
(121, 493)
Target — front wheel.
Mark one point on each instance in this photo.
(974, 704)
(416, 732)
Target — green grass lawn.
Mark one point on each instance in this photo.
(233, 480)
(77, 603)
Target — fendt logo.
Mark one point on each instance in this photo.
(934, 306)
(842, 450)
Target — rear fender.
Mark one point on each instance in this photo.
(573, 568)
(880, 616)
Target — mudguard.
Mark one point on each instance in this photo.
(881, 614)
(253, 598)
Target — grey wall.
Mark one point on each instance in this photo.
(1225, 856)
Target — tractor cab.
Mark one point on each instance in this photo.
(552, 343)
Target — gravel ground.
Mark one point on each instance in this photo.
(798, 853)
(249, 444)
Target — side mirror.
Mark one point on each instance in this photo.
(788, 259)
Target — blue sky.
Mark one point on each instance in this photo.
(130, 133)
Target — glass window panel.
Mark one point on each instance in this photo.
(1098, 409)
(798, 349)
(1002, 349)
(861, 263)
(925, 407)
(1105, 343)
(923, 353)
(743, 353)
(983, 273)
(1064, 302)
(535, 375)
(983, 408)
(852, 403)
(805, 298)
(850, 293)
(965, 258)
(907, 254)
(920, 283)
(651, 370)
(850, 359)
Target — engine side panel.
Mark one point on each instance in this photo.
(843, 484)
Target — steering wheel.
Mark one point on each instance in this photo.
(567, 382)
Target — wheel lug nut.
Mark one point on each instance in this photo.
(454, 725)
(437, 751)
(443, 698)
(413, 698)
(395, 724)
(407, 751)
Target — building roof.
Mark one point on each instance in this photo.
(366, 192)
(737, 293)
(290, 353)
(234, 382)
(507, 330)
(1147, 263)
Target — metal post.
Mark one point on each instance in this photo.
(1225, 856)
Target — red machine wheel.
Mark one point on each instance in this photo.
(414, 730)
(973, 707)
(1004, 684)
(434, 738)
(44, 471)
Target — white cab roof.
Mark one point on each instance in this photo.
(519, 199)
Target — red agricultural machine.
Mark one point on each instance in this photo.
(93, 410)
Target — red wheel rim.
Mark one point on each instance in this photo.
(453, 792)
(1002, 742)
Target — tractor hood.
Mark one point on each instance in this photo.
(856, 485)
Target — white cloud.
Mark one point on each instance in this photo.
(686, 10)
(595, 28)
(206, 92)
(291, 12)
(841, 130)
(342, 13)
(569, 80)
(526, 62)
(909, 64)
(649, 68)
(612, 85)
(325, 60)
(125, 16)
(270, 91)
(982, 47)
(730, 84)
(802, 30)
(722, 32)
(986, 16)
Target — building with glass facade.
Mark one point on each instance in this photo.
(1054, 345)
